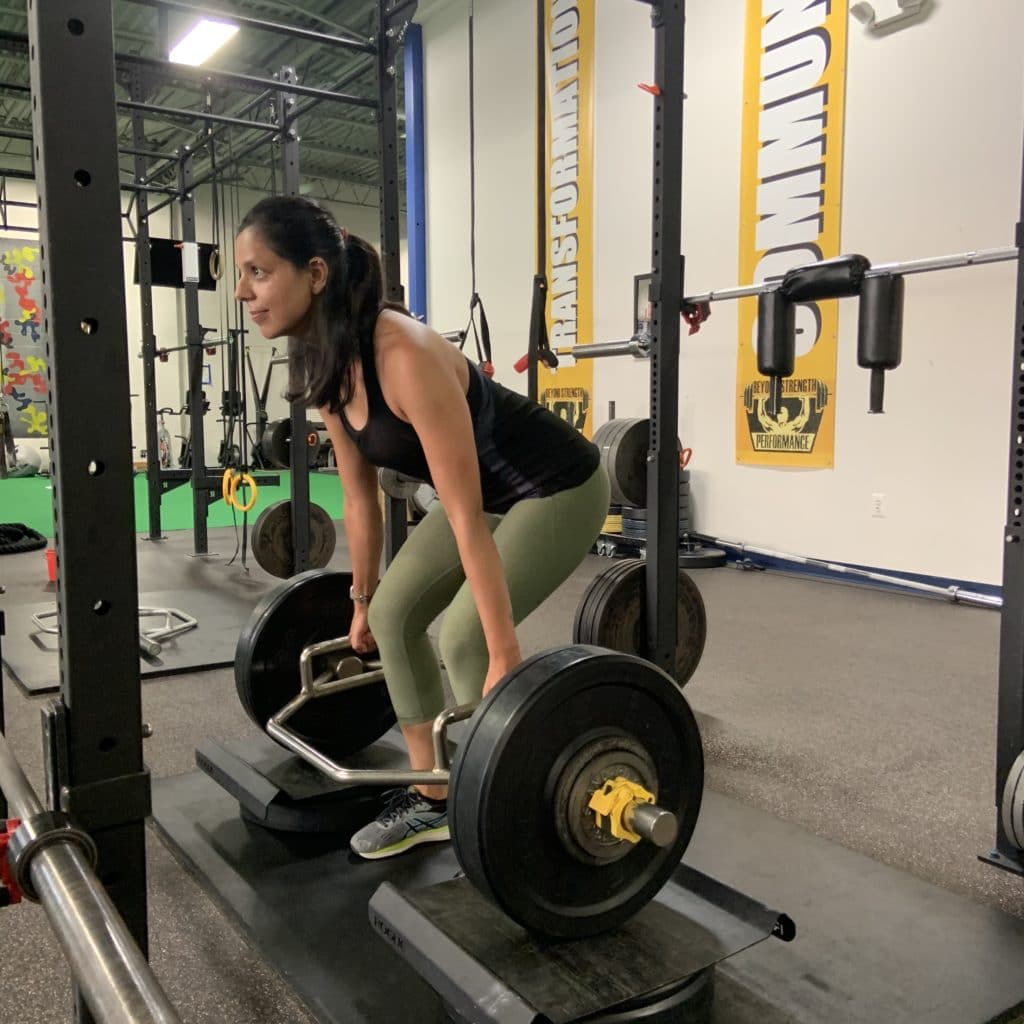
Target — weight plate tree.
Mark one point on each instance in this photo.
(311, 608)
(540, 744)
(613, 614)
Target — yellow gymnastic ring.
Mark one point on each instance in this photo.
(244, 480)
(230, 483)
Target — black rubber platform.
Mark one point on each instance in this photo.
(488, 970)
(31, 656)
(874, 943)
(275, 788)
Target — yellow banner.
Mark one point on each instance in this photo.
(790, 202)
(569, 56)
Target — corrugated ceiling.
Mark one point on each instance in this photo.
(338, 149)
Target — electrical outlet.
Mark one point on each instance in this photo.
(878, 506)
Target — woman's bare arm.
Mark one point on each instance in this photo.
(362, 516)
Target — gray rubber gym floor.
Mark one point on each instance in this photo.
(864, 717)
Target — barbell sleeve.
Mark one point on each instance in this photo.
(653, 823)
(600, 349)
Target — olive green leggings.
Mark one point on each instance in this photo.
(540, 540)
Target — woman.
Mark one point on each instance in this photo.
(522, 495)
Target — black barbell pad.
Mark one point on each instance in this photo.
(828, 279)
(880, 326)
(776, 334)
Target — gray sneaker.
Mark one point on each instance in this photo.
(408, 819)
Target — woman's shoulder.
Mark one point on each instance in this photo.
(397, 330)
(405, 337)
(401, 346)
(406, 349)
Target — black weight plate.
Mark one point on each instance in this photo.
(606, 438)
(593, 600)
(260, 542)
(607, 583)
(627, 463)
(624, 444)
(583, 607)
(272, 539)
(307, 610)
(502, 807)
(698, 557)
(583, 610)
(605, 434)
(620, 621)
(277, 439)
(1013, 803)
(612, 580)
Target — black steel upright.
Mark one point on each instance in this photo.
(391, 19)
(105, 786)
(194, 341)
(539, 304)
(1010, 727)
(298, 453)
(138, 88)
(668, 19)
(390, 31)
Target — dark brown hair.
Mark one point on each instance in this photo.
(344, 314)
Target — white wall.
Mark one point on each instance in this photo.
(216, 310)
(505, 232)
(932, 167)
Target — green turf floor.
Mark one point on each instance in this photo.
(29, 501)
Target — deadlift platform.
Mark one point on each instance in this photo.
(482, 967)
(874, 942)
(282, 792)
(657, 968)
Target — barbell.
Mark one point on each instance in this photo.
(573, 793)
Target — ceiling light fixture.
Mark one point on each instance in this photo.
(205, 39)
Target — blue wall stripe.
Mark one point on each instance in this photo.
(415, 183)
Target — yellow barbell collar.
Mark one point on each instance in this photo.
(611, 802)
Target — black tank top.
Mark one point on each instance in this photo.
(524, 450)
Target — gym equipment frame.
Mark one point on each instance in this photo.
(93, 746)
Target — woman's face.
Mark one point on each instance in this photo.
(277, 294)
